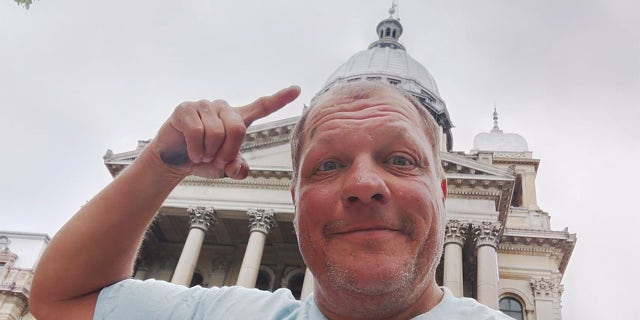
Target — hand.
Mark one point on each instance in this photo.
(203, 138)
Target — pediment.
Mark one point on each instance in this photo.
(458, 166)
(470, 179)
(116, 162)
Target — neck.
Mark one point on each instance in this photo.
(341, 305)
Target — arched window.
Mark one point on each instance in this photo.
(387, 32)
(295, 284)
(265, 279)
(512, 308)
(196, 280)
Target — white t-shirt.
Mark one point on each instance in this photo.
(160, 300)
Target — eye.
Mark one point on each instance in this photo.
(328, 165)
(400, 161)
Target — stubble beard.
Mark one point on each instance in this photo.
(388, 293)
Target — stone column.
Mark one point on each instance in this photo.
(307, 284)
(200, 220)
(545, 292)
(454, 238)
(486, 236)
(261, 221)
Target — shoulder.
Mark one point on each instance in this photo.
(452, 307)
(468, 308)
(151, 299)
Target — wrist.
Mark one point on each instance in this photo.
(149, 160)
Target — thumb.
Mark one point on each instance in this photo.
(237, 169)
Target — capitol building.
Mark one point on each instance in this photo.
(499, 247)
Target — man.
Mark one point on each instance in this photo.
(369, 194)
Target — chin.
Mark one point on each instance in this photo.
(372, 280)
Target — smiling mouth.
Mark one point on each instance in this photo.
(367, 234)
(365, 230)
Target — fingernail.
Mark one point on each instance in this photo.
(238, 170)
(207, 159)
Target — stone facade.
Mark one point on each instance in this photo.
(19, 254)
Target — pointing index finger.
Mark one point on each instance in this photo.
(267, 105)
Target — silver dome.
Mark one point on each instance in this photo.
(386, 62)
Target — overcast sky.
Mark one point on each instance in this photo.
(80, 77)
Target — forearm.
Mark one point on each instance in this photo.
(98, 246)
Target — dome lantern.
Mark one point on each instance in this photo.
(389, 31)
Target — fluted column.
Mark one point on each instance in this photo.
(307, 284)
(486, 236)
(261, 221)
(454, 238)
(200, 220)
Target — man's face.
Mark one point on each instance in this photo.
(369, 203)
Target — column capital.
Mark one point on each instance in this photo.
(261, 220)
(546, 288)
(455, 232)
(201, 217)
(486, 234)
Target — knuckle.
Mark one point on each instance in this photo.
(216, 134)
(182, 108)
(236, 130)
(204, 105)
(193, 131)
(219, 103)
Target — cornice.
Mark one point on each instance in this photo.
(25, 235)
(262, 179)
(533, 162)
(264, 142)
(534, 250)
(501, 192)
(473, 194)
(556, 242)
(268, 134)
(455, 163)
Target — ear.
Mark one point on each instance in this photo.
(295, 209)
(443, 185)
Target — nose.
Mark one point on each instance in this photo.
(365, 184)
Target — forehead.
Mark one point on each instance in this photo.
(362, 105)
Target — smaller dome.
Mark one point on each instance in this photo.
(498, 141)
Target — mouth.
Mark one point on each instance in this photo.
(367, 233)
(368, 229)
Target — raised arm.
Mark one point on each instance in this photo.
(98, 245)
